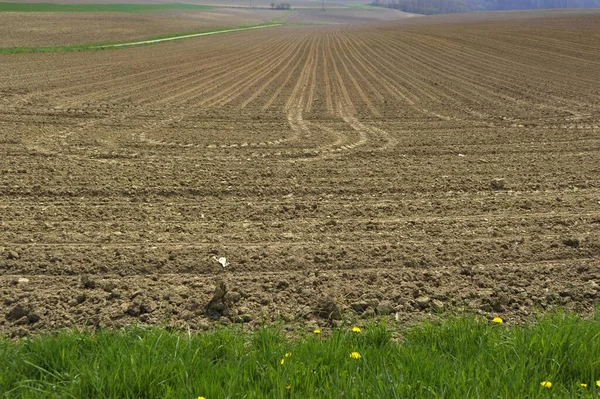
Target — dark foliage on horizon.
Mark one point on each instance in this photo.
(453, 6)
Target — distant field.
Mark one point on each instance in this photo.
(125, 7)
(45, 29)
(68, 29)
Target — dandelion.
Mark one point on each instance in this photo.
(201, 397)
(317, 331)
(583, 385)
(288, 354)
(497, 320)
(356, 329)
(288, 387)
(355, 355)
(546, 384)
(282, 361)
(598, 383)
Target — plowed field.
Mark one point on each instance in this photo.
(30, 29)
(396, 169)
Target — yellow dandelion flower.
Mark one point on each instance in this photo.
(201, 397)
(583, 385)
(288, 387)
(356, 329)
(546, 384)
(282, 361)
(355, 355)
(598, 383)
(288, 354)
(316, 331)
(497, 320)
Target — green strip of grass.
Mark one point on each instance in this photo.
(106, 45)
(455, 358)
(120, 7)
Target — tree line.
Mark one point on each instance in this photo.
(453, 6)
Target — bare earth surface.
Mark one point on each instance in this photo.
(29, 29)
(397, 169)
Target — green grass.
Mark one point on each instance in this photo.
(106, 45)
(456, 358)
(120, 7)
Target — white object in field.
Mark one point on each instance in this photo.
(222, 261)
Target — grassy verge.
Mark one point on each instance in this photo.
(455, 358)
(121, 7)
(103, 46)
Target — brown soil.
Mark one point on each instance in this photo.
(56, 28)
(395, 169)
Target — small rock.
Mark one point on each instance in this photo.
(328, 309)
(385, 308)
(16, 313)
(245, 318)
(33, 318)
(423, 302)
(22, 280)
(219, 304)
(498, 184)
(571, 242)
(87, 282)
(592, 284)
(234, 296)
(359, 307)
(12, 255)
(133, 309)
(437, 305)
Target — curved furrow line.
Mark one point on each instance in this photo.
(294, 106)
(468, 90)
(288, 77)
(313, 76)
(336, 50)
(326, 80)
(383, 73)
(474, 75)
(409, 77)
(292, 60)
(205, 73)
(123, 86)
(224, 78)
(344, 102)
(467, 80)
(520, 45)
(262, 70)
(513, 65)
(360, 67)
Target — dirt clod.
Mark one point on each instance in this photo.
(359, 307)
(385, 308)
(218, 305)
(423, 302)
(17, 312)
(571, 242)
(328, 309)
(87, 282)
(498, 184)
